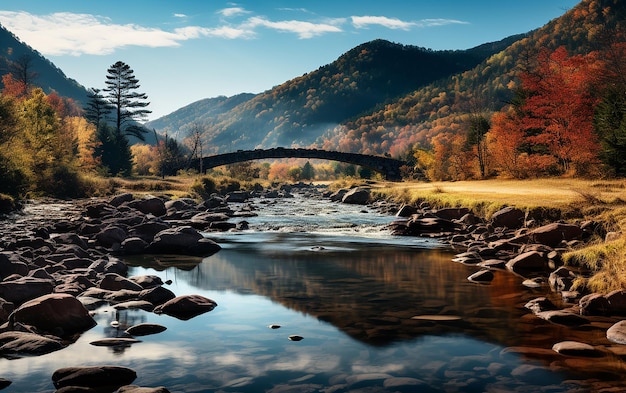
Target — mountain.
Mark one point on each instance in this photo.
(50, 78)
(301, 110)
(443, 105)
(203, 111)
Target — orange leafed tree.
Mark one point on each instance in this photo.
(13, 87)
(504, 141)
(558, 108)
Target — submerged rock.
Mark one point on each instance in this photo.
(98, 377)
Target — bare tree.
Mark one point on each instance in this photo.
(22, 71)
(195, 141)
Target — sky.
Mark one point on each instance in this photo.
(186, 50)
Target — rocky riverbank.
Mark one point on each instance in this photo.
(59, 261)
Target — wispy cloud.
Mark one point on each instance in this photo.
(362, 22)
(302, 28)
(65, 33)
(232, 11)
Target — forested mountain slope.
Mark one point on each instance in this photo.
(443, 106)
(299, 111)
(49, 77)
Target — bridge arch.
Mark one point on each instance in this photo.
(388, 167)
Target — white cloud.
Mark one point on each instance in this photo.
(191, 32)
(180, 15)
(440, 22)
(362, 22)
(302, 28)
(232, 11)
(65, 33)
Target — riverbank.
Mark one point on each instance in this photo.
(546, 200)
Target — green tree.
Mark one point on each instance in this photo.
(97, 107)
(127, 104)
(12, 177)
(308, 172)
(113, 151)
(478, 128)
(610, 125)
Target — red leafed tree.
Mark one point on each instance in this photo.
(13, 87)
(504, 141)
(558, 108)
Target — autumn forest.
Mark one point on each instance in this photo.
(551, 102)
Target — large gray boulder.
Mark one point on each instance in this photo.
(554, 233)
(183, 240)
(357, 196)
(59, 313)
(24, 289)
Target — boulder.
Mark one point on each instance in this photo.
(594, 304)
(554, 233)
(540, 304)
(17, 343)
(406, 211)
(617, 333)
(110, 236)
(451, 213)
(134, 245)
(148, 230)
(11, 264)
(115, 282)
(482, 276)
(509, 217)
(617, 302)
(99, 377)
(144, 329)
(338, 195)
(186, 307)
(58, 313)
(120, 199)
(357, 196)
(24, 289)
(562, 317)
(183, 240)
(6, 308)
(157, 295)
(237, 196)
(149, 205)
(561, 279)
(527, 262)
(575, 348)
(147, 281)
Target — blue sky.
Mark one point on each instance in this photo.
(186, 50)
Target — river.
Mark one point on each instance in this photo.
(377, 313)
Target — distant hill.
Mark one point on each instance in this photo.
(203, 111)
(50, 78)
(442, 106)
(299, 111)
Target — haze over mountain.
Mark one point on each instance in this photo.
(301, 110)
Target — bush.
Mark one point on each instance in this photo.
(7, 204)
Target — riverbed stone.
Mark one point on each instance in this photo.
(149, 205)
(530, 261)
(617, 333)
(99, 377)
(183, 240)
(357, 196)
(554, 233)
(594, 304)
(186, 307)
(17, 343)
(509, 217)
(144, 329)
(110, 236)
(562, 317)
(575, 348)
(115, 282)
(617, 302)
(59, 313)
(482, 276)
(406, 211)
(23, 289)
(540, 304)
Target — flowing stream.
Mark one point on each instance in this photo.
(377, 313)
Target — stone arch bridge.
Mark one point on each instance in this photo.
(388, 167)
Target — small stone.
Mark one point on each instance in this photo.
(273, 326)
(114, 342)
(295, 337)
(575, 348)
(617, 333)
